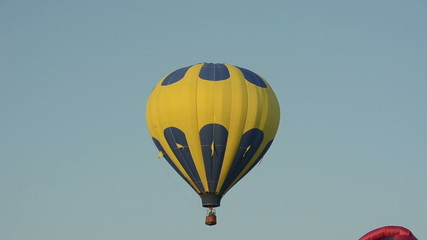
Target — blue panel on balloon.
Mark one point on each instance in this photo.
(214, 72)
(168, 159)
(175, 76)
(213, 138)
(178, 143)
(260, 157)
(253, 77)
(249, 144)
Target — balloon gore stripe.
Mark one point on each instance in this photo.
(168, 159)
(178, 143)
(213, 138)
(249, 144)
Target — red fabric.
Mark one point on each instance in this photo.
(411, 237)
(399, 233)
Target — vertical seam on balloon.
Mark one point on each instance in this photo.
(213, 132)
(218, 185)
(198, 127)
(251, 127)
(233, 157)
(261, 109)
(242, 131)
(229, 123)
(233, 182)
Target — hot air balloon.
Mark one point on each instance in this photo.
(389, 233)
(213, 123)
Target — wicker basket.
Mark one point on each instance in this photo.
(210, 220)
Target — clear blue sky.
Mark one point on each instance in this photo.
(77, 162)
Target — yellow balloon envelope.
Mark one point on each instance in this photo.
(212, 123)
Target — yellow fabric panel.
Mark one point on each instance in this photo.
(170, 106)
(269, 112)
(237, 108)
(189, 114)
